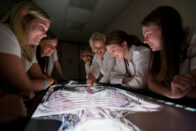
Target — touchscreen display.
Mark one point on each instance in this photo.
(80, 107)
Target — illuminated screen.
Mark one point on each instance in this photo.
(98, 108)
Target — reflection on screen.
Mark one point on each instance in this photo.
(77, 107)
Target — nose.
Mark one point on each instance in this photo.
(98, 51)
(44, 35)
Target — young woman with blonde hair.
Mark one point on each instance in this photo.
(102, 63)
(20, 32)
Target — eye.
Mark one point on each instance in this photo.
(49, 43)
(42, 28)
(112, 50)
(146, 36)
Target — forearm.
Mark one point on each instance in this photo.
(116, 79)
(38, 85)
(136, 83)
(61, 73)
(192, 93)
(159, 87)
(35, 72)
(59, 70)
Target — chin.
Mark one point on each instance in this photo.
(100, 55)
(118, 58)
(49, 54)
(35, 44)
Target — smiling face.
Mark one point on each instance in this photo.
(152, 37)
(99, 48)
(38, 29)
(48, 47)
(116, 51)
(87, 58)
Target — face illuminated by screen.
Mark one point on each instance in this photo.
(87, 58)
(48, 47)
(152, 37)
(99, 48)
(38, 29)
(116, 51)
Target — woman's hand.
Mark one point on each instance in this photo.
(126, 79)
(50, 80)
(91, 79)
(181, 85)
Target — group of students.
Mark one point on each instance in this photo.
(168, 67)
(27, 57)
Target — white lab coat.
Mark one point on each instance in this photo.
(87, 69)
(189, 64)
(103, 67)
(139, 58)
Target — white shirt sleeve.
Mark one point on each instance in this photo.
(118, 72)
(108, 65)
(94, 69)
(192, 52)
(87, 68)
(55, 55)
(9, 43)
(189, 63)
(52, 59)
(140, 61)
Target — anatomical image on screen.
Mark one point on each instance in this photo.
(80, 107)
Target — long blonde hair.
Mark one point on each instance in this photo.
(21, 31)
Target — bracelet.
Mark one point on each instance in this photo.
(45, 82)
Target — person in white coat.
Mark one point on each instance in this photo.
(132, 60)
(87, 56)
(102, 63)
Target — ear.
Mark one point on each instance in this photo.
(124, 44)
(23, 14)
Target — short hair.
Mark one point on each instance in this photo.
(88, 50)
(96, 36)
(50, 36)
(21, 31)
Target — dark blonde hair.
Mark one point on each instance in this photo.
(118, 37)
(87, 50)
(50, 36)
(21, 31)
(165, 63)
